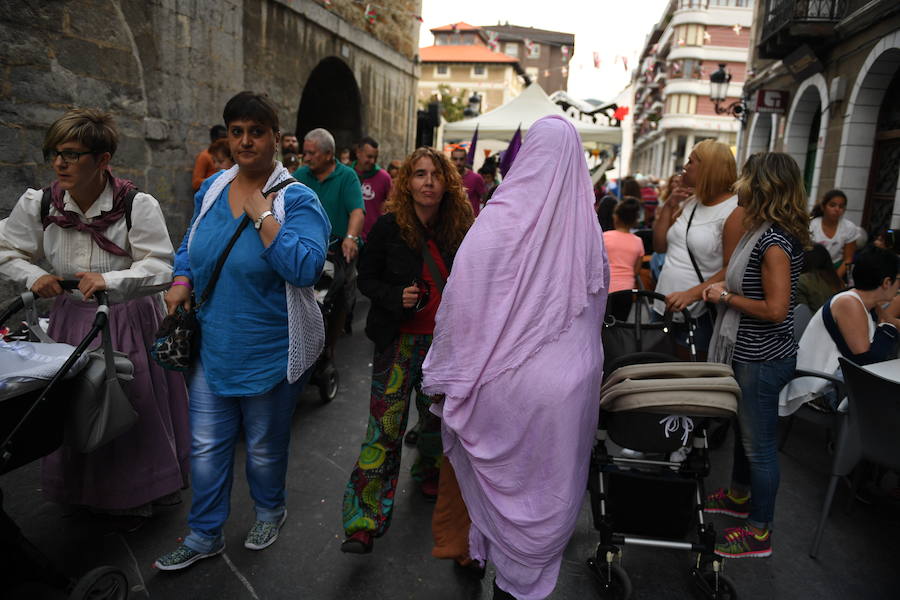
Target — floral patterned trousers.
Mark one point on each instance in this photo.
(369, 497)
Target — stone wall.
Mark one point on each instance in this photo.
(165, 69)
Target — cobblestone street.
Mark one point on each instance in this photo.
(857, 560)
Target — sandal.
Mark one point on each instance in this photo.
(359, 543)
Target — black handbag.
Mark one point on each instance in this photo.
(178, 338)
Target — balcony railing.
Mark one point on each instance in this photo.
(790, 23)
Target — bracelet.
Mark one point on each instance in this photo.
(187, 284)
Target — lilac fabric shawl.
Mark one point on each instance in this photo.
(528, 266)
(517, 352)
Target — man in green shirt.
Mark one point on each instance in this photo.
(337, 187)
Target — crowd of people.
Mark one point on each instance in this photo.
(504, 460)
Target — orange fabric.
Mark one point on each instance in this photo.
(450, 520)
(203, 168)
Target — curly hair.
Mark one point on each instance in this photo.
(454, 215)
(771, 189)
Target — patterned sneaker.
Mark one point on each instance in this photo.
(183, 557)
(264, 533)
(741, 542)
(720, 502)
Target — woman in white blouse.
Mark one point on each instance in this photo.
(83, 226)
(829, 228)
(699, 235)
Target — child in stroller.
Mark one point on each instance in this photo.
(660, 410)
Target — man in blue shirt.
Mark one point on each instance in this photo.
(340, 194)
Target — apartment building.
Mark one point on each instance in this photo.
(672, 106)
(824, 87)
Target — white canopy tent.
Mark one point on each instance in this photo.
(526, 108)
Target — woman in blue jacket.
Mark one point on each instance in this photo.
(261, 329)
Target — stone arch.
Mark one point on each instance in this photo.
(331, 100)
(810, 99)
(860, 122)
(760, 133)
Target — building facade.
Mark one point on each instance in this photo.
(461, 60)
(825, 88)
(672, 107)
(495, 61)
(544, 55)
(165, 69)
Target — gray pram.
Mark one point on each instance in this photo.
(659, 412)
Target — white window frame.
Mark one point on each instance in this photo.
(482, 75)
(515, 49)
(437, 71)
(535, 51)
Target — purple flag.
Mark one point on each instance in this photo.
(470, 157)
(509, 155)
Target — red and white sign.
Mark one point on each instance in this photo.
(772, 101)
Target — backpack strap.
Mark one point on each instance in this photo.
(45, 206)
(129, 203)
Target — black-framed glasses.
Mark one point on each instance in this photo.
(68, 156)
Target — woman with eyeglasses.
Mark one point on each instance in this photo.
(92, 226)
(402, 270)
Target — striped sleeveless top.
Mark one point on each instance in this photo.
(759, 340)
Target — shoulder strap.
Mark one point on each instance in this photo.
(688, 246)
(279, 186)
(45, 206)
(432, 267)
(129, 202)
(221, 262)
(240, 228)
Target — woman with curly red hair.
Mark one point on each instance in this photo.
(402, 270)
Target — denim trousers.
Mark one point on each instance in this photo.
(756, 445)
(216, 423)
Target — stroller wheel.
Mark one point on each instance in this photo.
(102, 583)
(614, 583)
(328, 386)
(714, 586)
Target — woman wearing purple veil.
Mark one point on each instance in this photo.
(517, 354)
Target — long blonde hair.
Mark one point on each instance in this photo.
(717, 169)
(771, 189)
(455, 215)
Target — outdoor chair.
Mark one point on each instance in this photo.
(868, 433)
(819, 414)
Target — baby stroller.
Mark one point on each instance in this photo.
(329, 289)
(32, 425)
(651, 443)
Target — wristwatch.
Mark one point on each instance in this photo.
(723, 297)
(262, 217)
(352, 237)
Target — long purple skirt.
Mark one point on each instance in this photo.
(149, 461)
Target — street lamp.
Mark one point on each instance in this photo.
(718, 92)
(474, 108)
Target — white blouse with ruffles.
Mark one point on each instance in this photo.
(24, 243)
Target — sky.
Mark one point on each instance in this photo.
(612, 28)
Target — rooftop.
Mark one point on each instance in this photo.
(515, 32)
(464, 54)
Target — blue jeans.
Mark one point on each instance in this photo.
(215, 425)
(756, 445)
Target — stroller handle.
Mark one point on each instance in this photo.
(654, 296)
(27, 298)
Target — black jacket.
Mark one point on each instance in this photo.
(386, 266)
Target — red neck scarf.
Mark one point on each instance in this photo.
(68, 219)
